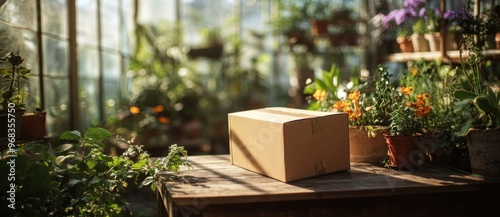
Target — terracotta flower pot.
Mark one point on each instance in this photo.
(403, 151)
(364, 149)
(434, 40)
(427, 143)
(405, 44)
(420, 44)
(319, 27)
(484, 152)
(34, 125)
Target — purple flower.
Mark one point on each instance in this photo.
(422, 12)
(401, 16)
(450, 15)
(414, 3)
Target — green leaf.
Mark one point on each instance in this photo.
(97, 133)
(484, 104)
(314, 106)
(320, 85)
(310, 89)
(71, 135)
(139, 164)
(91, 164)
(328, 80)
(492, 96)
(74, 182)
(462, 105)
(147, 181)
(64, 147)
(465, 94)
(60, 159)
(465, 128)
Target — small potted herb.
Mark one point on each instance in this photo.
(12, 92)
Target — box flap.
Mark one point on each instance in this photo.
(282, 114)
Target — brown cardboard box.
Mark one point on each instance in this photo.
(289, 144)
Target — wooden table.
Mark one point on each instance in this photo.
(214, 187)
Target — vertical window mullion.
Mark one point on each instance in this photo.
(100, 103)
(75, 122)
(40, 53)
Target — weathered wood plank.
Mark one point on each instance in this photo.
(214, 180)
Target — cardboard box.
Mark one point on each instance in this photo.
(289, 144)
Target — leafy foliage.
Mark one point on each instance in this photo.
(366, 104)
(406, 120)
(476, 99)
(324, 90)
(81, 180)
(12, 74)
(383, 96)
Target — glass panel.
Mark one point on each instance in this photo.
(33, 99)
(110, 21)
(111, 100)
(13, 40)
(111, 73)
(111, 66)
(57, 105)
(88, 63)
(89, 102)
(200, 15)
(127, 26)
(55, 17)
(19, 12)
(152, 11)
(86, 27)
(55, 56)
(88, 69)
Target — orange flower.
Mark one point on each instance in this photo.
(354, 95)
(423, 110)
(134, 110)
(406, 90)
(353, 115)
(163, 119)
(319, 94)
(158, 109)
(341, 105)
(414, 72)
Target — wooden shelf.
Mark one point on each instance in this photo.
(451, 56)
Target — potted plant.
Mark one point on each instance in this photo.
(291, 21)
(479, 100)
(399, 20)
(408, 117)
(367, 109)
(12, 93)
(438, 80)
(212, 46)
(29, 125)
(320, 15)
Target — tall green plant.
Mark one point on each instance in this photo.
(477, 98)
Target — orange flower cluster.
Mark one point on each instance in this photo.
(354, 112)
(319, 94)
(421, 105)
